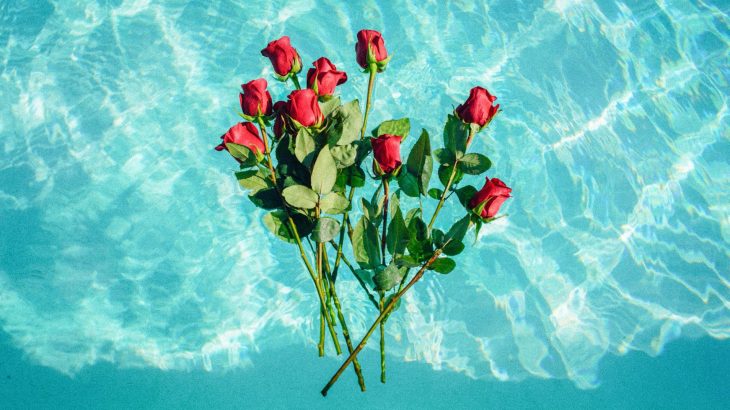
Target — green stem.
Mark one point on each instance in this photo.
(363, 285)
(384, 238)
(382, 344)
(297, 238)
(295, 80)
(448, 185)
(371, 83)
(383, 241)
(351, 195)
(388, 308)
(343, 323)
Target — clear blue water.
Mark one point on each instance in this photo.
(135, 273)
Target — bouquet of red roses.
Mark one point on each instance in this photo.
(303, 159)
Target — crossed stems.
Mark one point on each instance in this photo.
(386, 310)
(318, 279)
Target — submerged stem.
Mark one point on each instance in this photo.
(293, 229)
(388, 308)
(343, 323)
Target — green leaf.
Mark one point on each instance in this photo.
(407, 261)
(386, 279)
(366, 244)
(445, 172)
(408, 183)
(394, 203)
(435, 193)
(419, 245)
(266, 199)
(458, 230)
(373, 211)
(305, 147)
(393, 127)
(238, 151)
(346, 124)
(474, 164)
(412, 214)
(253, 180)
(300, 196)
(444, 156)
(443, 265)
(465, 194)
(334, 203)
(366, 275)
(420, 163)
(326, 229)
(455, 136)
(324, 173)
(356, 176)
(438, 237)
(344, 155)
(398, 236)
(453, 248)
(276, 222)
(327, 107)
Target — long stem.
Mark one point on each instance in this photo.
(371, 83)
(389, 307)
(363, 285)
(295, 80)
(448, 185)
(351, 195)
(343, 323)
(297, 238)
(386, 194)
(382, 344)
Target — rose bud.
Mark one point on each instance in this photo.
(490, 198)
(386, 150)
(279, 119)
(303, 108)
(246, 134)
(255, 99)
(283, 56)
(324, 77)
(370, 49)
(478, 108)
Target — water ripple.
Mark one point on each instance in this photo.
(125, 238)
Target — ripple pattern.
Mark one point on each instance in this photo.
(125, 239)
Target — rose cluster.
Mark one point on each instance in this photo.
(303, 157)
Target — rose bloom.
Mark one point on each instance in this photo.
(243, 133)
(255, 99)
(324, 77)
(283, 56)
(386, 150)
(478, 108)
(493, 194)
(370, 48)
(304, 108)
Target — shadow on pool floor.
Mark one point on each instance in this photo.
(690, 374)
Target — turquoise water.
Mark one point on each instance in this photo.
(131, 261)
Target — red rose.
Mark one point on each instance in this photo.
(386, 150)
(324, 77)
(370, 49)
(283, 56)
(279, 121)
(492, 195)
(255, 99)
(478, 108)
(243, 133)
(303, 108)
